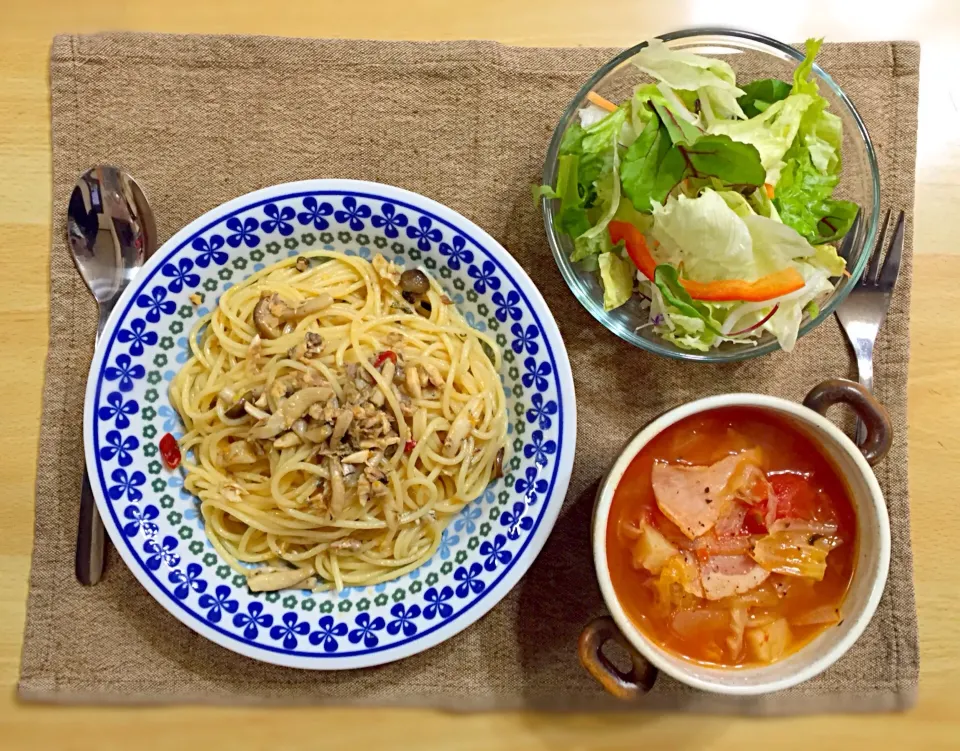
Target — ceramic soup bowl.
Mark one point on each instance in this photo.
(872, 557)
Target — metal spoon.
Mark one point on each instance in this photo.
(111, 232)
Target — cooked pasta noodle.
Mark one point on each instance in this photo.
(339, 415)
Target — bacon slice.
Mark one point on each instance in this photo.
(728, 575)
(694, 498)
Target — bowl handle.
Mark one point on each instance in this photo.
(630, 685)
(874, 415)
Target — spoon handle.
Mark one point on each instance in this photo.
(91, 536)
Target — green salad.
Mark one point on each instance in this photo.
(711, 203)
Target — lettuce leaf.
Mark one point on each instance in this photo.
(737, 203)
(706, 236)
(803, 202)
(641, 165)
(679, 129)
(588, 183)
(713, 80)
(593, 146)
(759, 95)
(724, 158)
(762, 204)
(603, 134)
(771, 132)
(802, 81)
(571, 217)
(827, 258)
(616, 276)
(668, 282)
(775, 244)
(812, 166)
(596, 239)
(836, 221)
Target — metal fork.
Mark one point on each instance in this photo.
(862, 314)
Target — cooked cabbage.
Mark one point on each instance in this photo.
(770, 642)
(652, 550)
(795, 553)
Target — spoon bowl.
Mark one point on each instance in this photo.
(110, 229)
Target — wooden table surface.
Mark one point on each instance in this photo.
(25, 211)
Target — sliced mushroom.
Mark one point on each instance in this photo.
(294, 407)
(302, 263)
(280, 308)
(318, 435)
(379, 396)
(363, 490)
(273, 426)
(236, 410)
(415, 282)
(263, 318)
(287, 440)
(289, 410)
(433, 375)
(498, 464)
(309, 307)
(341, 426)
(337, 493)
(255, 412)
(269, 581)
(412, 377)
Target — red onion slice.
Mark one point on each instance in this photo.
(758, 324)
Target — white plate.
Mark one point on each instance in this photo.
(156, 525)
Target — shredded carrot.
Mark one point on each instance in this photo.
(601, 102)
(765, 288)
(769, 188)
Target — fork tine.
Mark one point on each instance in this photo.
(873, 270)
(891, 264)
(846, 245)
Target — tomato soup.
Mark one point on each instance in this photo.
(732, 538)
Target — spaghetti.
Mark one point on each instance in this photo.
(339, 414)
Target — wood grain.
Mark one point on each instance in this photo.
(25, 229)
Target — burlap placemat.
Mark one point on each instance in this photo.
(202, 119)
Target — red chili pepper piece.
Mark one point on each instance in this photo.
(409, 446)
(387, 354)
(170, 451)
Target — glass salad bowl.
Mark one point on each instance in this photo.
(752, 56)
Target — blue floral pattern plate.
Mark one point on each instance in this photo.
(156, 524)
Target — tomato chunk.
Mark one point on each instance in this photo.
(796, 497)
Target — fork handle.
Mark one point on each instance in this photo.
(865, 370)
